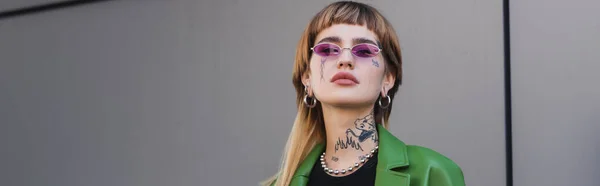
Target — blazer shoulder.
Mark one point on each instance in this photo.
(441, 168)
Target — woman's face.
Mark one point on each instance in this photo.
(347, 80)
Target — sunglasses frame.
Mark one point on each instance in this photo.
(342, 49)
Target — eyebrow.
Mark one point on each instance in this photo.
(355, 41)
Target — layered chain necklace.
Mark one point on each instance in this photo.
(351, 168)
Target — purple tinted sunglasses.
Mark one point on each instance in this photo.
(364, 50)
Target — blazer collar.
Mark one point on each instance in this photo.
(300, 178)
(392, 154)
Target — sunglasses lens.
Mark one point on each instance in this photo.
(326, 49)
(365, 50)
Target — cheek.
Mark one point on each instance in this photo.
(374, 75)
(317, 73)
(319, 68)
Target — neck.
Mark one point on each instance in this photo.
(351, 134)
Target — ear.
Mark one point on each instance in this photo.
(306, 79)
(307, 85)
(388, 83)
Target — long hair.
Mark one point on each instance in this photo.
(309, 128)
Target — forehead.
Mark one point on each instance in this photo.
(347, 33)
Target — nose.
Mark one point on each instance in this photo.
(346, 60)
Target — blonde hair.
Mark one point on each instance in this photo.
(308, 129)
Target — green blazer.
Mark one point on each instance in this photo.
(398, 165)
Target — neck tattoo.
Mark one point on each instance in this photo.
(364, 130)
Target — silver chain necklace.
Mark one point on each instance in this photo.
(343, 171)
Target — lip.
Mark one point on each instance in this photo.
(344, 78)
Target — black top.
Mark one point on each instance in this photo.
(365, 175)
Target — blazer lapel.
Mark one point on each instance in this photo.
(392, 154)
(300, 178)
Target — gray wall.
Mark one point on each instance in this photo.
(556, 93)
(184, 93)
(117, 93)
(6, 5)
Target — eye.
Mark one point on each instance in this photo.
(365, 50)
(326, 49)
(329, 51)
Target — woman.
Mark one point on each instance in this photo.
(347, 70)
